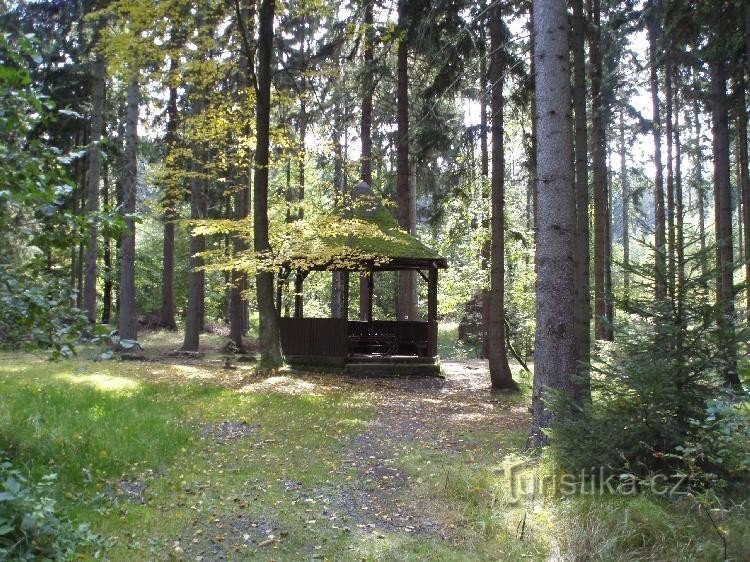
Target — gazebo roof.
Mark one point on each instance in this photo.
(369, 239)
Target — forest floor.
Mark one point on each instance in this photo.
(176, 457)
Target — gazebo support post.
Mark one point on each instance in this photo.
(345, 295)
(365, 300)
(279, 289)
(432, 291)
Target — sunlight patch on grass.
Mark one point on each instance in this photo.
(101, 381)
(284, 385)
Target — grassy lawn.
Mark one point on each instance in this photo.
(187, 460)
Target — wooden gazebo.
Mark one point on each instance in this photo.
(366, 242)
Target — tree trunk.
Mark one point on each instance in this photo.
(339, 279)
(484, 163)
(107, 292)
(723, 220)
(237, 278)
(602, 320)
(269, 339)
(660, 269)
(680, 210)
(406, 305)
(366, 137)
(582, 258)
(555, 342)
(746, 182)
(92, 180)
(743, 187)
(625, 212)
(196, 275)
(128, 322)
(500, 375)
(700, 192)
(671, 253)
(171, 199)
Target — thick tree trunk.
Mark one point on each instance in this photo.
(128, 322)
(269, 339)
(582, 258)
(660, 269)
(171, 198)
(92, 181)
(602, 320)
(406, 305)
(555, 342)
(723, 219)
(500, 375)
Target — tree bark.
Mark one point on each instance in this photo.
(555, 342)
(660, 265)
(406, 305)
(236, 302)
(746, 182)
(602, 320)
(269, 340)
(582, 258)
(107, 258)
(196, 275)
(625, 212)
(743, 186)
(366, 137)
(128, 322)
(671, 250)
(723, 220)
(700, 192)
(339, 279)
(679, 210)
(484, 167)
(170, 198)
(500, 375)
(92, 181)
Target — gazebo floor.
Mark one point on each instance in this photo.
(360, 365)
(392, 366)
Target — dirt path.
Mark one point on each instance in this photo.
(443, 415)
(416, 419)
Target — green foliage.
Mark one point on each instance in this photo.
(36, 312)
(31, 527)
(659, 404)
(35, 308)
(34, 187)
(148, 266)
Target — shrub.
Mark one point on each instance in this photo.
(659, 402)
(30, 526)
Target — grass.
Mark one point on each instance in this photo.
(103, 427)
(450, 346)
